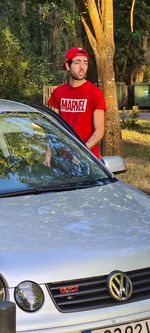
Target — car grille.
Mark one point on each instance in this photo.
(92, 293)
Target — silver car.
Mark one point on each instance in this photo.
(74, 240)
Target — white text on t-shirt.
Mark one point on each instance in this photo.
(73, 105)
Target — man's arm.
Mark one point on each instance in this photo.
(48, 156)
(98, 122)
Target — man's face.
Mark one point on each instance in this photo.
(78, 67)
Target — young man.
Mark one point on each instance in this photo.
(79, 102)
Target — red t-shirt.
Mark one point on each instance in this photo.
(76, 106)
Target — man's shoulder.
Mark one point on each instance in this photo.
(93, 87)
(60, 87)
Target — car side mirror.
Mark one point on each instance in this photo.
(115, 164)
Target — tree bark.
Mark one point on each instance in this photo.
(54, 36)
(98, 24)
(39, 38)
(22, 8)
(138, 74)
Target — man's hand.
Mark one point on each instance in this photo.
(47, 161)
(98, 122)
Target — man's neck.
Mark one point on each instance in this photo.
(76, 83)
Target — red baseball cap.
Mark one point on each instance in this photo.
(74, 52)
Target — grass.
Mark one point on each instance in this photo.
(136, 146)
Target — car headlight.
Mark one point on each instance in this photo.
(29, 296)
(2, 291)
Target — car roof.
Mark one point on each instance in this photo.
(8, 105)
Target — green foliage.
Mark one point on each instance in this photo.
(21, 77)
(37, 74)
(13, 66)
(130, 53)
(33, 45)
(147, 74)
(129, 117)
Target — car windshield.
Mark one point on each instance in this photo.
(37, 154)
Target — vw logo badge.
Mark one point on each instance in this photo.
(119, 286)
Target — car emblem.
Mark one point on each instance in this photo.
(120, 286)
(69, 289)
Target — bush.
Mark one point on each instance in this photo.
(22, 75)
(12, 66)
(129, 117)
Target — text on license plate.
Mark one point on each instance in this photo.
(136, 327)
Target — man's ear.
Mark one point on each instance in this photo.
(67, 66)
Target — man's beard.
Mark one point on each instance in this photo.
(75, 77)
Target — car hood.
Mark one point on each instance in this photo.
(74, 234)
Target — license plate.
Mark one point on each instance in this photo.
(136, 327)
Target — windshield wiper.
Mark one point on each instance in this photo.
(38, 190)
(19, 192)
(73, 185)
(49, 188)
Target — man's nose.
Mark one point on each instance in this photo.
(82, 64)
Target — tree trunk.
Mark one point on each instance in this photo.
(112, 141)
(137, 75)
(22, 8)
(102, 43)
(39, 37)
(54, 36)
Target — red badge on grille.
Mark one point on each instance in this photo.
(69, 289)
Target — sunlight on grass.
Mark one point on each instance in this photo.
(136, 146)
(136, 137)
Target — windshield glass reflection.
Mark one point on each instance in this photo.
(36, 153)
